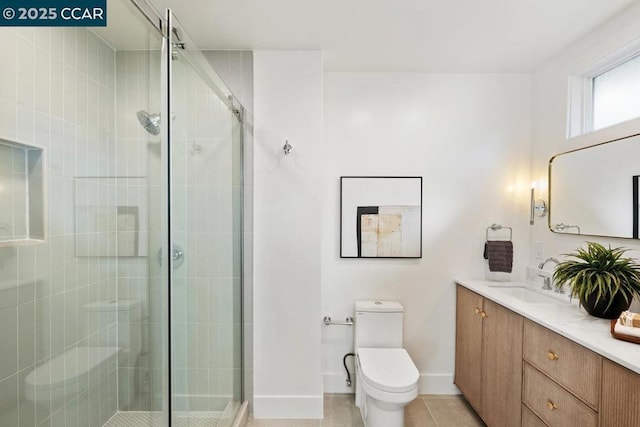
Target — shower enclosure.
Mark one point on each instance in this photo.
(120, 227)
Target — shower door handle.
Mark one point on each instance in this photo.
(177, 255)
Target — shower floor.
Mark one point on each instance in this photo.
(154, 419)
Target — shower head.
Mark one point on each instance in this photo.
(150, 122)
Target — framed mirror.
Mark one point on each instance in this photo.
(594, 190)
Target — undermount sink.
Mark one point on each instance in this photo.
(526, 295)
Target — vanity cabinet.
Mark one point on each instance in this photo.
(529, 419)
(501, 365)
(488, 368)
(620, 404)
(513, 371)
(554, 405)
(561, 382)
(468, 374)
(572, 366)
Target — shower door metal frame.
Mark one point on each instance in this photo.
(149, 12)
(166, 79)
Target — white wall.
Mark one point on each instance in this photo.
(468, 136)
(549, 119)
(478, 141)
(287, 234)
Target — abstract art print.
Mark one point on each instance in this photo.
(380, 217)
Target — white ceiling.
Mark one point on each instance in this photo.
(127, 28)
(399, 35)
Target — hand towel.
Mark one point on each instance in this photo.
(628, 318)
(500, 255)
(626, 330)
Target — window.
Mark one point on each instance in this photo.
(616, 94)
(606, 93)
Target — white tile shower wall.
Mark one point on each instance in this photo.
(235, 67)
(236, 70)
(57, 91)
(205, 317)
(138, 88)
(13, 183)
(549, 119)
(468, 137)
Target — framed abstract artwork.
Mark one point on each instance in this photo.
(380, 217)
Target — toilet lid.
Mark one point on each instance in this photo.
(52, 374)
(388, 369)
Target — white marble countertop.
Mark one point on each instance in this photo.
(555, 312)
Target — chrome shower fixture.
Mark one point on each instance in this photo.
(150, 122)
(287, 149)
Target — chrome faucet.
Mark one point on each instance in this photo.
(547, 280)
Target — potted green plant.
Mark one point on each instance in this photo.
(602, 278)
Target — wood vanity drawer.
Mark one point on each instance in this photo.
(529, 419)
(569, 364)
(553, 404)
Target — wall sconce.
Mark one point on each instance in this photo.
(538, 206)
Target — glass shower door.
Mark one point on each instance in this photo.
(205, 233)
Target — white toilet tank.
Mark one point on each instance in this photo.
(127, 315)
(378, 324)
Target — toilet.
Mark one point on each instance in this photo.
(386, 377)
(51, 381)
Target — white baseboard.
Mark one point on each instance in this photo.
(288, 407)
(427, 384)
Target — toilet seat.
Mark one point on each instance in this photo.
(48, 381)
(389, 370)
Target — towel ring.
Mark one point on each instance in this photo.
(496, 227)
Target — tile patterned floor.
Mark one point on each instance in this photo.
(155, 419)
(425, 411)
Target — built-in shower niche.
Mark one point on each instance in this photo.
(22, 207)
